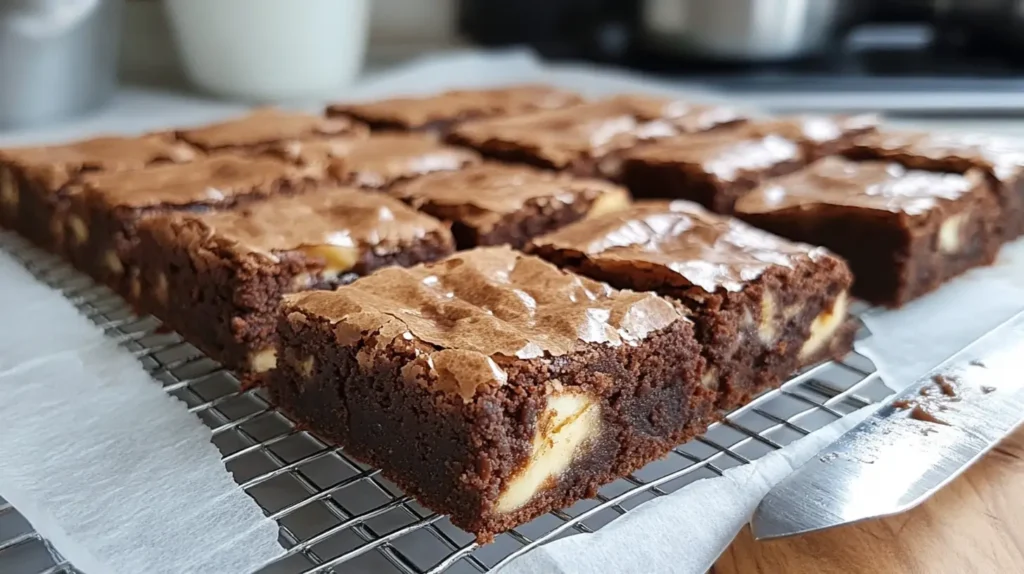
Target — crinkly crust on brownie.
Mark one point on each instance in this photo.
(904, 231)
(490, 385)
(1001, 158)
(34, 181)
(381, 159)
(217, 277)
(219, 179)
(494, 204)
(103, 212)
(55, 166)
(442, 111)
(763, 306)
(712, 168)
(819, 136)
(585, 139)
(267, 126)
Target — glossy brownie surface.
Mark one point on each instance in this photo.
(268, 126)
(493, 203)
(381, 159)
(443, 110)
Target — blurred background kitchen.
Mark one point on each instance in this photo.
(954, 60)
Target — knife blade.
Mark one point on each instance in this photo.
(907, 450)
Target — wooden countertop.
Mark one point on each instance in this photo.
(974, 524)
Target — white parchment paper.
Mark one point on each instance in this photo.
(118, 475)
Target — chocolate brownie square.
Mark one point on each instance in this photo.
(441, 112)
(587, 139)
(490, 385)
(494, 204)
(380, 160)
(1001, 159)
(903, 231)
(35, 181)
(763, 306)
(713, 168)
(106, 207)
(265, 127)
(217, 277)
(716, 168)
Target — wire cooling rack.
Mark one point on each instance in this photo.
(339, 515)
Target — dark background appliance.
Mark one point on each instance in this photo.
(971, 52)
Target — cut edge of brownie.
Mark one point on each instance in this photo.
(617, 408)
(814, 310)
(1009, 192)
(650, 179)
(895, 258)
(224, 301)
(536, 217)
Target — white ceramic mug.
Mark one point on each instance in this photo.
(271, 50)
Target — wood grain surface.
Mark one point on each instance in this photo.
(974, 524)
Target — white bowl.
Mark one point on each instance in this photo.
(271, 50)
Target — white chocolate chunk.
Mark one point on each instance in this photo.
(305, 367)
(160, 288)
(337, 259)
(825, 326)
(263, 361)
(766, 329)
(135, 289)
(709, 380)
(79, 231)
(301, 282)
(302, 365)
(610, 166)
(609, 202)
(8, 191)
(567, 423)
(113, 262)
(950, 233)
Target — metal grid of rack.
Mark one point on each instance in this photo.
(334, 511)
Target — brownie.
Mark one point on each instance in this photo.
(105, 209)
(903, 231)
(441, 112)
(380, 160)
(819, 136)
(491, 386)
(713, 168)
(268, 126)
(587, 139)
(217, 277)
(35, 182)
(494, 204)
(763, 306)
(1001, 159)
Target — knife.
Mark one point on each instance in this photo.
(908, 449)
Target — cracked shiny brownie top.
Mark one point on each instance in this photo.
(813, 129)
(267, 126)
(213, 179)
(488, 192)
(874, 185)
(676, 243)
(726, 155)
(456, 105)
(594, 129)
(325, 221)
(57, 165)
(484, 305)
(380, 159)
(1002, 157)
